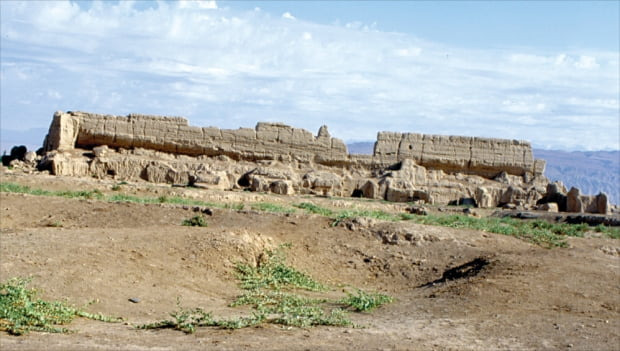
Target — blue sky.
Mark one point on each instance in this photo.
(547, 72)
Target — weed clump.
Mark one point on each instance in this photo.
(196, 221)
(21, 311)
(273, 273)
(363, 301)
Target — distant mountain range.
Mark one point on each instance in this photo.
(590, 171)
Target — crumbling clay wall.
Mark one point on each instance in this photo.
(486, 157)
(173, 135)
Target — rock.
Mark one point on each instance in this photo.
(370, 189)
(358, 223)
(483, 198)
(556, 187)
(134, 299)
(549, 207)
(417, 210)
(502, 177)
(512, 195)
(210, 180)
(573, 201)
(398, 194)
(471, 212)
(556, 192)
(30, 157)
(258, 183)
(322, 181)
(203, 210)
(602, 204)
(100, 151)
(282, 187)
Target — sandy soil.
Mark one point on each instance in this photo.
(526, 297)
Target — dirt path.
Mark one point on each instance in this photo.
(522, 297)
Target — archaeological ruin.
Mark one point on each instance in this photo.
(276, 158)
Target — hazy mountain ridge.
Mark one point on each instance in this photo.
(590, 171)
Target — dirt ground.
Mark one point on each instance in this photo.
(525, 297)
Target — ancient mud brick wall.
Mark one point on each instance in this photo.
(174, 135)
(482, 156)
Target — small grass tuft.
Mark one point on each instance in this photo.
(364, 301)
(196, 221)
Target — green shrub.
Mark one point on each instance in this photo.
(196, 221)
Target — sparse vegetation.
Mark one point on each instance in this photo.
(196, 221)
(21, 311)
(269, 207)
(185, 320)
(376, 214)
(538, 232)
(22, 189)
(312, 208)
(364, 301)
(264, 287)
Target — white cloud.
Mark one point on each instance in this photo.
(197, 4)
(408, 52)
(586, 62)
(287, 15)
(231, 69)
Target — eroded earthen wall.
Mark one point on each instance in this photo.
(174, 135)
(483, 156)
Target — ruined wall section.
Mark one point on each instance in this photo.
(173, 135)
(486, 157)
